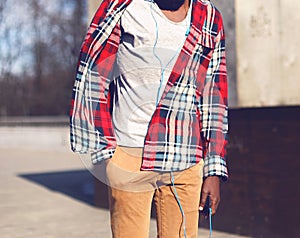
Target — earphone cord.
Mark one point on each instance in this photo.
(182, 212)
(156, 56)
(210, 223)
(179, 203)
(163, 68)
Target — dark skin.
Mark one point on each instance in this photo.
(171, 5)
(211, 188)
(176, 10)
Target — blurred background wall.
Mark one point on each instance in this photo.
(267, 52)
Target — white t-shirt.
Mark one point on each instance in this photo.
(150, 45)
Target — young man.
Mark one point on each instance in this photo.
(150, 99)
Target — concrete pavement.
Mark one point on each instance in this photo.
(47, 192)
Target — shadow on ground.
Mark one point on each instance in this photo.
(77, 184)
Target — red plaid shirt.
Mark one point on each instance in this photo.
(190, 121)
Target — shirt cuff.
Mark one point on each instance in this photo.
(215, 166)
(101, 155)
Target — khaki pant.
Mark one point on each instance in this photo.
(132, 191)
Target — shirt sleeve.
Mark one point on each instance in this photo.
(90, 125)
(214, 111)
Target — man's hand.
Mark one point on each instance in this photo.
(211, 188)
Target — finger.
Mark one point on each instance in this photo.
(213, 207)
(203, 200)
(214, 204)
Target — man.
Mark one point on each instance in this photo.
(150, 99)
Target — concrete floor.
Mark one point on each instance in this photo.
(48, 192)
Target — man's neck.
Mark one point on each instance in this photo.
(174, 10)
